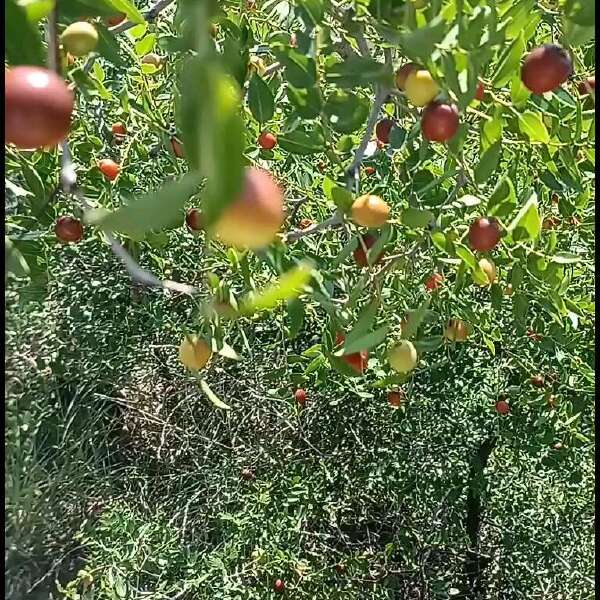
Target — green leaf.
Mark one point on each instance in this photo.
(226, 350)
(397, 137)
(519, 94)
(418, 45)
(581, 12)
(212, 396)
(466, 255)
(509, 62)
(346, 111)
(36, 10)
(358, 71)
(213, 133)
(342, 198)
(366, 341)
(22, 41)
(414, 319)
(527, 223)
(531, 124)
(14, 261)
(416, 218)
(78, 9)
(306, 101)
(520, 307)
(302, 142)
(145, 45)
(300, 70)
(496, 295)
(428, 344)
(311, 11)
(503, 200)
(152, 211)
(260, 99)
(364, 323)
(289, 286)
(295, 311)
(441, 242)
(577, 35)
(488, 162)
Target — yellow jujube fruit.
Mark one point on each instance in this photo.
(370, 211)
(194, 353)
(420, 87)
(488, 267)
(403, 357)
(79, 38)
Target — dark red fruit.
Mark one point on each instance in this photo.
(340, 568)
(109, 168)
(306, 223)
(300, 397)
(113, 21)
(439, 121)
(502, 407)
(359, 254)
(480, 91)
(484, 234)
(177, 147)
(588, 86)
(538, 381)
(37, 107)
(358, 360)
(279, 586)
(369, 170)
(193, 219)
(68, 229)
(247, 474)
(395, 398)
(545, 68)
(267, 141)
(382, 130)
(119, 129)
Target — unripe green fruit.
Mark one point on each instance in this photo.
(79, 38)
(403, 357)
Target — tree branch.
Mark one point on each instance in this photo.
(334, 221)
(150, 16)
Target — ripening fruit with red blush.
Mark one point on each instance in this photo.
(68, 229)
(193, 219)
(369, 170)
(538, 381)
(546, 68)
(439, 121)
(587, 87)
(279, 586)
(434, 282)
(484, 234)
(359, 254)
(480, 91)
(502, 407)
(37, 107)
(382, 130)
(267, 141)
(403, 72)
(109, 168)
(300, 396)
(118, 129)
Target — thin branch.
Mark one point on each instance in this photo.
(334, 221)
(149, 16)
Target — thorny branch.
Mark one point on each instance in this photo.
(68, 181)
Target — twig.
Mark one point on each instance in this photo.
(150, 16)
(335, 220)
(68, 181)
